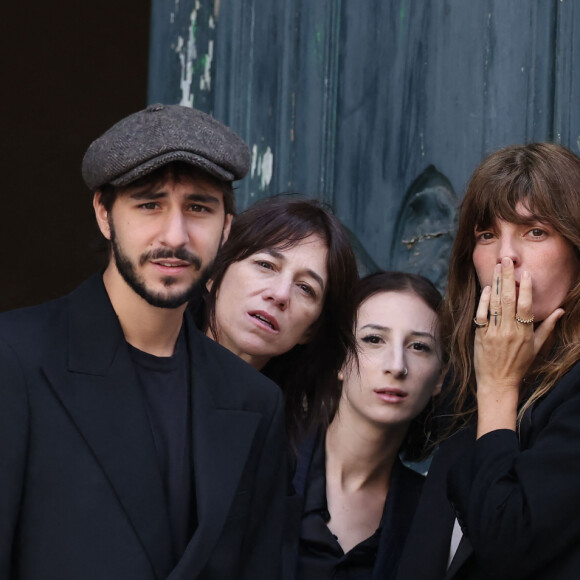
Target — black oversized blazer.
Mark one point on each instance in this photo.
(516, 497)
(80, 490)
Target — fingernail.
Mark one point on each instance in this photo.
(486, 290)
(505, 262)
(525, 275)
(498, 269)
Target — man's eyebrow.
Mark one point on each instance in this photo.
(205, 198)
(153, 194)
(147, 194)
(280, 255)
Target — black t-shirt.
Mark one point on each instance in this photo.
(320, 556)
(165, 382)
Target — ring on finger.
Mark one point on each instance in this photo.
(524, 320)
(480, 324)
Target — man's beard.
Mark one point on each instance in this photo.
(128, 272)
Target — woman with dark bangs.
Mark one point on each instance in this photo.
(358, 498)
(280, 297)
(502, 497)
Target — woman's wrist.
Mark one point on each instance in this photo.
(496, 409)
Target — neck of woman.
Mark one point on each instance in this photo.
(361, 454)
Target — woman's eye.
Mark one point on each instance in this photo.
(484, 236)
(537, 233)
(264, 264)
(372, 339)
(421, 346)
(307, 289)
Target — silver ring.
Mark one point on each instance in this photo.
(405, 371)
(480, 324)
(524, 320)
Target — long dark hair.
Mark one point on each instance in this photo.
(307, 373)
(420, 436)
(545, 178)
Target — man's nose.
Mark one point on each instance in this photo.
(174, 233)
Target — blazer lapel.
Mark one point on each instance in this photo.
(458, 446)
(100, 392)
(434, 515)
(464, 551)
(402, 498)
(222, 440)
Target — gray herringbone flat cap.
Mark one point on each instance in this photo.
(160, 134)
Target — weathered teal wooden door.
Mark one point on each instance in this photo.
(383, 108)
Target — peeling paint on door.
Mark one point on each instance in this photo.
(187, 53)
(262, 166)
(192, 60)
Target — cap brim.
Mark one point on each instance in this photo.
(161, 160)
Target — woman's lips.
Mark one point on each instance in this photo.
(391, 395)
(265, 320)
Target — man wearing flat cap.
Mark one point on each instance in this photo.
(132, 447)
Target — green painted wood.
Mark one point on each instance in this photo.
(353, 100)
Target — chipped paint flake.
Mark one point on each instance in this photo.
(254, 163)
(187, 53)
(205, 79)
(267, 168)
(191, 61)
(262, 166)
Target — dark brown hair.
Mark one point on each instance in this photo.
(307, 373)
(417, 444)
(545, 178)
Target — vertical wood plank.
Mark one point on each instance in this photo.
(351, 102)
(567, 75)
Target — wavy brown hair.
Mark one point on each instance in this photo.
(545, 178)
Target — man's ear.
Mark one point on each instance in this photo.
(102, 215)
(227, 227)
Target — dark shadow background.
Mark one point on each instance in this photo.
(71, 69)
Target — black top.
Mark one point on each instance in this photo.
(515, 496)
(165, 384)
(320, 555)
